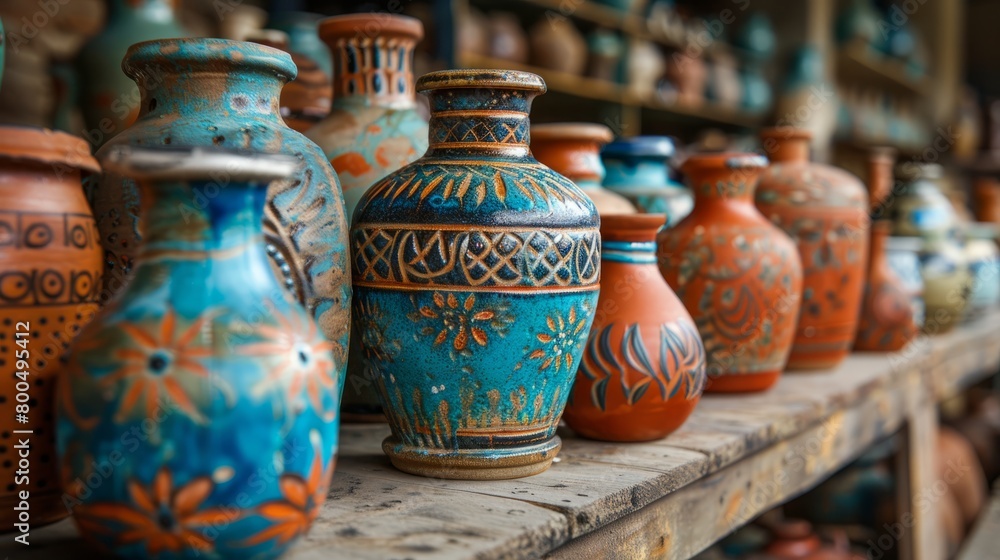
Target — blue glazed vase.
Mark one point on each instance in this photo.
(476, 272)
(225, 94)
(203, 375)
(303, 36)
(636, 168)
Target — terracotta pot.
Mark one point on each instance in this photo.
(373, 129)
(637, 169)
(51, 261)
(824, 210)
(306, 99)
(986, 199)
(644, 367)
(738, 275)
(481, 265)
(508, 41)
(558, 45)
(109, 98)
(688, 74)
(957, 465)
(218, 93)
(217, 375)
(573, 150)
(793, 539)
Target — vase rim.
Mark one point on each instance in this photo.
(732, 161)
(211, 52)
(43, 145)
(198, 163)
(384, 25)
(579, 131)
(786, 133)
(481, 78)
(650, 146)
(619, 223)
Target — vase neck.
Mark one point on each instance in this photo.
(787, 149)
(630, 238)
(488, 121)
(876, 252)
(373, 72)
(738, 186)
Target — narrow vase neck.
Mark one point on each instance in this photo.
(715, 188)
(166, 94)
(373, 71)
(876, 254)
(787, 150)
(629, 252)
(480, 122)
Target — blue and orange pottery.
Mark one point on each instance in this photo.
(198, 416)
(738, 275)
(637, 169)
(476, 271)
(373, 129)
(644, 367)
(225, 94)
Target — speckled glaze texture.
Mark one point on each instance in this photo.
(887, 315)
(374, 127)
(637, 169)
(203, 375)
(738, 275)
(50, 277)
(476, 271)
(643, 370)
(824, 210)
(213, 92)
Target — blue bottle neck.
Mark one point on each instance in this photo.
(629, 252)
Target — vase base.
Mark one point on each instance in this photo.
(472, 464)
(815, 362)
(742, 382)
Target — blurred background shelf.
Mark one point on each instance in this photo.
(860, 66)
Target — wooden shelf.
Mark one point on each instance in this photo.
(858, 67)
(707, 112)
(737, 456)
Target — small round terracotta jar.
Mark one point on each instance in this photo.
(306, 99)
(637, 168)
(824, 210)
(50, 285)
(573, 150)
(643, 369)
(738, 275)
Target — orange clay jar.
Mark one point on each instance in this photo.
(738, 275)
(50, 277)
(643, 369)
(824, 210)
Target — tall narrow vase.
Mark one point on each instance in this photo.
(573, 150)
(198, 416)
(738, 275)
(218, 93)
(109, 98)
(50, 278)
(825, 211)
(476, 272)
(644, 368)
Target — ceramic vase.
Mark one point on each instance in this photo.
(606, 49)
(858, 24)
(983, 260)
(573, 151)
(558, 45)
(637, 169)
(947, 285)
(110, 99)
(200, 377)
(374, 127)
(887, 314)
(738, 275)
(50, 271)
(476, 277)
(508, 41)
(303, 37)
(825, 211)
(306, 99)
(643, 370)
(918, 207)
(219, 93)
(902, 254)
(802, 86)
(688, 74)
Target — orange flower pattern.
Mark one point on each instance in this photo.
(564, 338)
(460, 323)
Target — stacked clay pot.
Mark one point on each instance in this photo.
(644, 367)
(738, 275)
(573, 150)
(824, 210)
(50, 286)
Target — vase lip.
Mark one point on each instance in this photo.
(163, 163)
(219, 54)
(42, 145)
(578, 131)
(649, 146)
(621, 223)
(786, 133)
(732, 161)
(481, 78)
(382, 25)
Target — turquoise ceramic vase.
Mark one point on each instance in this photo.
(303, 36)
(476, 275)
(637, 169)
(218, 93)
(203, 375)
(109, 98)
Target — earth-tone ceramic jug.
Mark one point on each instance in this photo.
(573, 150)
(50, 279)
(644, 367)
(738, 275)
(200, 377)
(825, 211)
(476, 275)
(219, 93)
